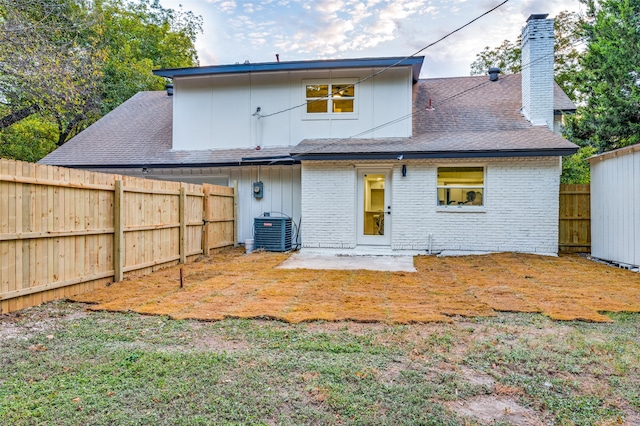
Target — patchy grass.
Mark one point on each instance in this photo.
(64, 365)
(234, 285)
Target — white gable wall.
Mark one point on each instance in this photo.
(216, 112)
(520, 211)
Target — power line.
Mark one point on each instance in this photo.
(394, 64)
(456, 95)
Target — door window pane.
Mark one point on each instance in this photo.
(374, 187)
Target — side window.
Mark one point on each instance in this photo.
(461, 186)
(330, 98)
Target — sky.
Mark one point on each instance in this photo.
(235, 31)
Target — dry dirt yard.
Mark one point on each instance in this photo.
(232, 284)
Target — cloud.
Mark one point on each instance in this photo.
(329, 6)
(302, 29)
(351, 25)
(227, 6)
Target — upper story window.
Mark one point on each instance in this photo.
(335, 99)
(460, 186)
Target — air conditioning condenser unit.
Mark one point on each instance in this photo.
(272, 233)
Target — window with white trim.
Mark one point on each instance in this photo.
(461, 186)
(330, 98)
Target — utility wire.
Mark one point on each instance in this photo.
(454, 96)
(394, 64)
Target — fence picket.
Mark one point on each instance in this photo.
(63, 231)
(574, 234)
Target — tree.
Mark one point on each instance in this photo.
(49, 63)
(568, 41)
(609, 78)
(507, 56)
(68, 62)
(575, 168)
(138, 38)
(30, 139)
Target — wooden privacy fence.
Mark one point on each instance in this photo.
(66, 231)
(575, 219)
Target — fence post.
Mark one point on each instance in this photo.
(235, 213)
(205, 220)
(183, 223)
(118, 234)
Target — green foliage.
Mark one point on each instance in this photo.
(568, 45)
(49, 62)
(71, 61)
(575, 168)
(609, 79)
(507, 56)
(29, 140)
(138, 38)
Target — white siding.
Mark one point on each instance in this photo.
(520, 211)
(191, 107)
(216, 112)
(281, 194)
(615, 206)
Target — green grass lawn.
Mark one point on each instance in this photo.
(62, 365)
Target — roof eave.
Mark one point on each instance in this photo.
(400, 155)
(242, 162)
(415, 62)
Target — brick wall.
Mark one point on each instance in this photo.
(520, 211)
(537, 72)
(328, 205)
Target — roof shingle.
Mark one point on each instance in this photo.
(139, 133)
(470, 116)
(459, 116)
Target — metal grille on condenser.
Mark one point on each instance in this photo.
(272, 233)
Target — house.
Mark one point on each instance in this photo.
(362, 153)
(615, 203)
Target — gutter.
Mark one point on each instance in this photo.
(281, 159)
(242, 162)
(440, 154)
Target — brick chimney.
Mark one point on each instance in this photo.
(537, 71)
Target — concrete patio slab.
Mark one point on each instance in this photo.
(303, 260)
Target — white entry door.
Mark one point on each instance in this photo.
(374, 207)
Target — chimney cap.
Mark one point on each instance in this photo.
(537, 16)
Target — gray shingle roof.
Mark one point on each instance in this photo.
(138, 133)
(561, 101)
(471, 117)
